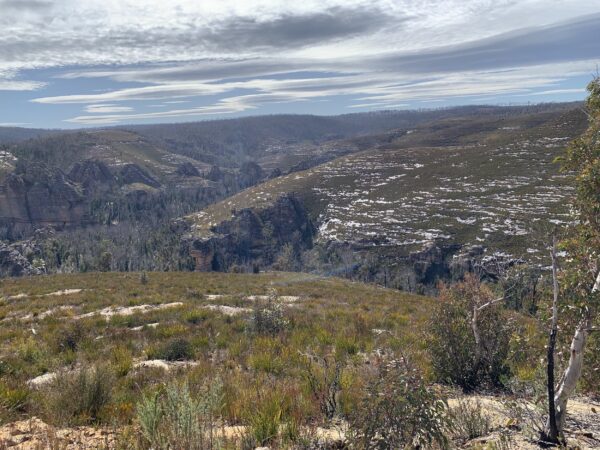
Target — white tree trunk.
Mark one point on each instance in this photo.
(573, 371)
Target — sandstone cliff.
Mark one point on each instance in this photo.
(254, 236)
(37, 196)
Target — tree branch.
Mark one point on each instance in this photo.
(490, 303)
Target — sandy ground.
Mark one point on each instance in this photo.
(583, 429)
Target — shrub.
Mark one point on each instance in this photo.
(265, 420)
(70, 337)
(172, 418)
(522, 288)
(79, 397)
(268, 317)
(121, 360)
(197, 316)
(179, 349)
(455, 355)
(323, 376)
(398, 410)
(13, 398)
(469, 421)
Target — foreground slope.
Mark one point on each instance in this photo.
(165, 325)
(139, 333)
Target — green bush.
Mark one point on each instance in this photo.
(69, 338)
(398, 410)
(179, 349)
(469, 421)
(79, 397)
(175, 419)
(456, 358)
(268, 317)
(265, 420)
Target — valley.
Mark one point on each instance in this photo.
(380, 185)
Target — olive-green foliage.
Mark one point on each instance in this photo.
(469, 420)
(79, 397)
(522, 288)
(332, 317)
(175, 418)
(398, 410)
(268, 316)
(583, 236)
(177, 349)
(455, 356)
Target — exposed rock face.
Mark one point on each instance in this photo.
(276, 172)
(38, 196)
(432, 263)
(442, 262)
(92, 174)
(466, 261)
(132, 173)
(250, 174)
(255, 236)
(187, 169)
(215, 174)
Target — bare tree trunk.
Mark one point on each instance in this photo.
(573, 371)
(551, 434)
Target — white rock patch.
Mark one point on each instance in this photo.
(228, 310)
(128, 310)
(163, 364)
(63, 292)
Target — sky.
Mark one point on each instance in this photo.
(94, 63)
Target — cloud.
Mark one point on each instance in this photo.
(24, 5)
(107, 108)
(566, 41)
(290, 31)
(14, 124)
(369, 92)
(232, 56)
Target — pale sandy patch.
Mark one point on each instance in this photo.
(164, 365)
(63, 292)
(141, 327)
(110, 311)
(228, 310)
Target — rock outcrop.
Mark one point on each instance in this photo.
(255, 236)
(92, 175)
(35, 195)
(432, 263)
(132, 173)
(451, 262)
(187, 169)
(250, 174)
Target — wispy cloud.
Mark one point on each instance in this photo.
(230, 57)
(107, 109)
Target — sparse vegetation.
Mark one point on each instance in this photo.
(173, 417)
(469, 420)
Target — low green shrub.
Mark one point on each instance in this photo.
(398, 410)
(178, 349)
(79, 397)
(469, 421)
(173, 418)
